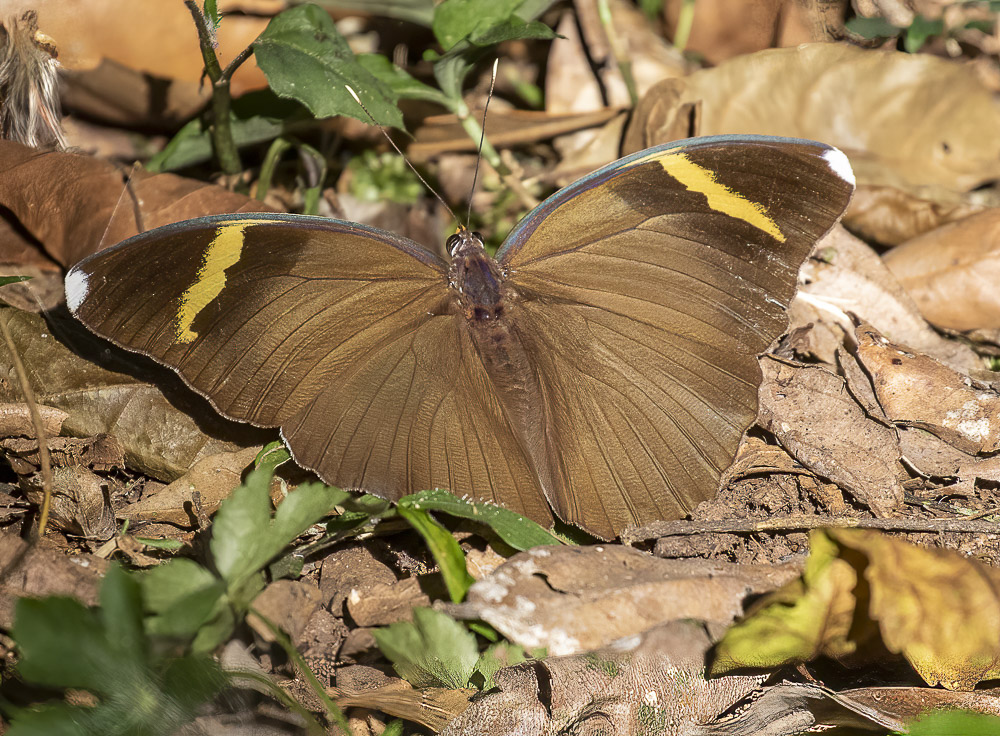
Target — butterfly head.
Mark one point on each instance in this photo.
(465, 242)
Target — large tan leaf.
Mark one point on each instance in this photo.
(894, 114)
(151, 36)
(952, 272)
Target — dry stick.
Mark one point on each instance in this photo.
(36, 420)
(795, 523)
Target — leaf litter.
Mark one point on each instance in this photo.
(877, 409)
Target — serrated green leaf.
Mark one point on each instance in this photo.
(519, 532)
(442, 545)
(305, 58)
(245, 538)
(182, 595)
(433, 651)
(456, 20)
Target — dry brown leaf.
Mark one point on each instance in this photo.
(722, 29)
(151, 36)
(952, 272)
(890, 216)
(570, 83)
(443, 133)
(810, 411)
(431, 707)
(162, 429)
(80, 502)
(918, 391)
(36, 570)
(288, 604)
(938, 608)
(658, 674)
(15, 420)
(653, 683)
(196, 494)
(847, 281)
(75, 205)
(573, 599)
(382, 604)
(898, 125)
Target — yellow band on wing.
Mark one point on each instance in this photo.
(224, 251)
(720, 197)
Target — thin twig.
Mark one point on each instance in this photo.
(36, 419)
(797, 523)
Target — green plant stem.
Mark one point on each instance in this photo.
(222, 134)
(621, 58)
(334, 711)
(490, 154)
(270, 164)
(685, 20)
(313, 728)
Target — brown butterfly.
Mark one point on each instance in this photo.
(603, 366)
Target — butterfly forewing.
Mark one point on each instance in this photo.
(646, 292)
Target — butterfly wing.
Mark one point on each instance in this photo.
(342, 335)
(646, 292)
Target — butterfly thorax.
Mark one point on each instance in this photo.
(477, 280)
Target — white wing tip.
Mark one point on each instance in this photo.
(77, 285)
(840, 165)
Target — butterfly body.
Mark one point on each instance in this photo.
(602, 368)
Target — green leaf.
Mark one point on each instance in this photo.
(182, 595)
(442, 546)
(171, 545)
(485, 22)
(256, 117)
(872, 27)
(305, 58)
(517, 531)
(433, 651)
(919, 31)
(272, 455)
(953, 722)
(401, 83)
(65, 645)
(419, 12)
(49, 720)
(244, 536)
(500, 655)
(511, 30)
(62, 644)
(4, 280)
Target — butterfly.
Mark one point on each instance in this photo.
(602, 367)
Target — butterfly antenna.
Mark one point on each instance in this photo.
(403, 155)
(482, 137)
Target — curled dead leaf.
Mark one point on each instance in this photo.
(918, 391)
(952, 272)
(816, 419)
